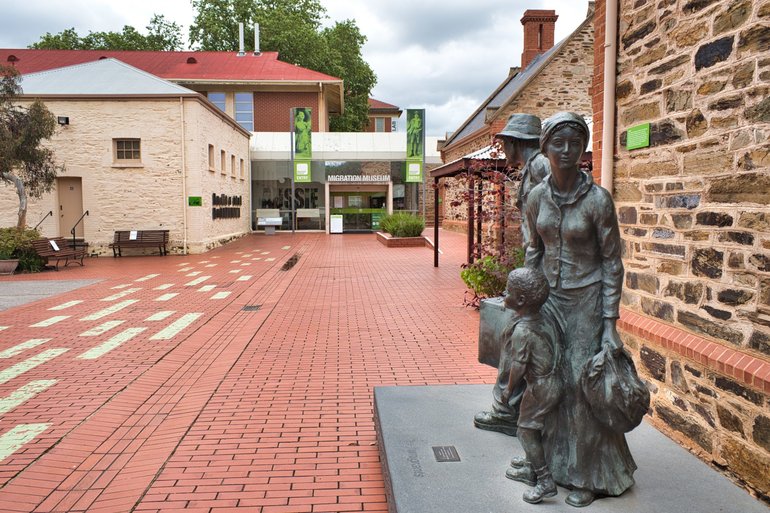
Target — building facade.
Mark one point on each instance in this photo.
(138, 153)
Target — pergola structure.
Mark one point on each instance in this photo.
(473, 164)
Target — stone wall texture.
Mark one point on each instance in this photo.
(693, 211)
(150, 195)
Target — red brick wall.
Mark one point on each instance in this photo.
(597, 92)
(535, 40)
(271, 110)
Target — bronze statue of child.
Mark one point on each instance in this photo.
(535, 354)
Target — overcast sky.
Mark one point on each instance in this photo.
(445, 56)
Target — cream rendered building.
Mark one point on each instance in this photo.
(139, 153)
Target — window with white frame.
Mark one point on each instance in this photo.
(379, 124)
(244, 110)
(218, 99)
(127, 150)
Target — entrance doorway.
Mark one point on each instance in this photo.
(361, 210)
(70, 191)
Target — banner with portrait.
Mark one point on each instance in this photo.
(415, 144)
(302, 122)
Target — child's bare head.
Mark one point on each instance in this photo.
(527, 288)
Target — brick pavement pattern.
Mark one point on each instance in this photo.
(224, 381)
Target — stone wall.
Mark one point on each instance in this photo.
(693, 211)
(149, 195)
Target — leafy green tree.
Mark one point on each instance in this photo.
(161, 35)
(24, 162)
(293, 29)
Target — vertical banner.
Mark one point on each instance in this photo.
(415, 144)
(302, 151)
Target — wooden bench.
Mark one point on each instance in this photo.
(58, 249)
(139, 239)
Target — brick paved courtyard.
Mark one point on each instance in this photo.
(213, 382)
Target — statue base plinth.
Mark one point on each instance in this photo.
(423, 430)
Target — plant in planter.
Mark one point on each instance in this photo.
(487, 276)
(401, 224)
(16, 250)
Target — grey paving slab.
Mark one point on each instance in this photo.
(412, 420)
(16, 293)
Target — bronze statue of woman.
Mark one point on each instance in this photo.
(575, 240)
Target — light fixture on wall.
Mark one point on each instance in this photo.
(63, 120)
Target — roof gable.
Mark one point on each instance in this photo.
(102, 77)
(510, 88)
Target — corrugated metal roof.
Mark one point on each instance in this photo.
(192, 66)
(102, 77)
(380, 105)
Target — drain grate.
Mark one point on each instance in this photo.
(251, 308)
(291, 262)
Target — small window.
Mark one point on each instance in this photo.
(232, 165)
(218, 99)
(244, 110)
(127, 150)
(242, 170)
(379, 124)
(223, 162)
(211, 158)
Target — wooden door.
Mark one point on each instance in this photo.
(70, 192)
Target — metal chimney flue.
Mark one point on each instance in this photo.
(256, 39)
(241, 51)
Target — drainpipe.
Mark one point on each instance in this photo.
(608, 107)
(184, 179)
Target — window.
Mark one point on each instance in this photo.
(379, 124)
(242, 170)
(218, 99)
(127, 150)
(223, 162)
(232, 165)
(211, 157)
(244, 110)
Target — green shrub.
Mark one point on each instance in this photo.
(401, 224)
(18, 244)
(487, 276)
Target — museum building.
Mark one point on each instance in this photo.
(199, 143)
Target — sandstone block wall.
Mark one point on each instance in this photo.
(693, 211)
(145, 196)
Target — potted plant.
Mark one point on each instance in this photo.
(15, 248)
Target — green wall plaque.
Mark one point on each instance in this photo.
(195, 201)
(638, 137)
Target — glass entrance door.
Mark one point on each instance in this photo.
(361, 211)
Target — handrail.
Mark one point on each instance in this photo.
(72, 231)
(50, 213)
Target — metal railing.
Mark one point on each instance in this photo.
(72, 231)
(50, 213)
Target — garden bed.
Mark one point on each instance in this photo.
(402, 242)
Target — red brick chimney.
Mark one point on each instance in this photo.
(539, 26)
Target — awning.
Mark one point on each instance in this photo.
(490, 155)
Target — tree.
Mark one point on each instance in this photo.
(161, 35)
(293, 29)
(24, 163)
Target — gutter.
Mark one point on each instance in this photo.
(184, 178)
(608, 102)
